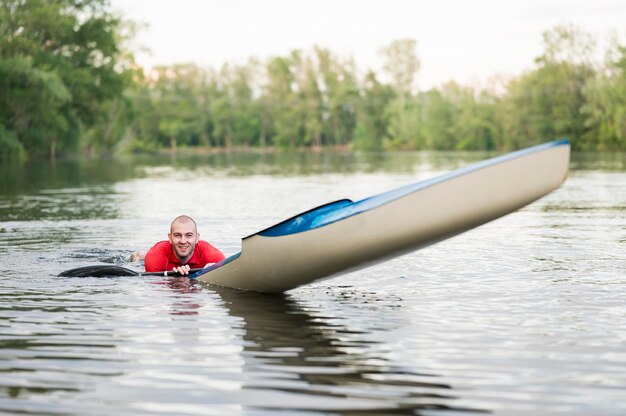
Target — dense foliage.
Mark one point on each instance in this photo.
(317, 99)
(62, 75)
(66, 85)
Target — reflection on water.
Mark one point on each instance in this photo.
(64, 349)
(613, 161)
(521, 316)
(53, 342)
(18, 178)
(299, 355)
(79, 189)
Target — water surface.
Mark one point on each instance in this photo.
(525, 315)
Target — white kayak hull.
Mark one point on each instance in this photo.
(344, 236)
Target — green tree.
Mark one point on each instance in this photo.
(402, 65)
(471, 118)
(605, 107)
(546, 103)
(437, 122)
(373, 116)
(282, 100)
(245, 119)
(61, 63)
(31, 108)
(177, 101)
(340, 94)
(312, 106)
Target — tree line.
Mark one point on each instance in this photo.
(68, 84)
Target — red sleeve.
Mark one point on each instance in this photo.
(157, 257)
(208, 253)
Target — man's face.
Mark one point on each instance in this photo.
(183, 237)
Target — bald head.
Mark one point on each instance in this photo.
(183, 236)
(183, 219)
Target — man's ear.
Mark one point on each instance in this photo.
(169, 237)
(197, 237)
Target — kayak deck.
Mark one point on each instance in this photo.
(343, 235)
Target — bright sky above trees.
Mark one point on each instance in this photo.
(468, 41)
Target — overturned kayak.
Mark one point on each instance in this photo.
(344, 236)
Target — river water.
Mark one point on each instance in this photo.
(524, 315)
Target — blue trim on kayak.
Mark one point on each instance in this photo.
(339, 210)
(215, 266)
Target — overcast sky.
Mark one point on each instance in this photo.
(467, 41)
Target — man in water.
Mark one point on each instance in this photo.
(182, 251)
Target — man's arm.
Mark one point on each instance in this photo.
(210, 255)
(156, 260)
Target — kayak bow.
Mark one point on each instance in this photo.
(344, 236)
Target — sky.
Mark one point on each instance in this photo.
(469, 41)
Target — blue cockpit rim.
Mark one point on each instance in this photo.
(338, 210)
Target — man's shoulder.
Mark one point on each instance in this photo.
(208, 253)
(158, 256)
(204, 245)
(161, 246)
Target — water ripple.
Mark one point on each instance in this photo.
(522, 316)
